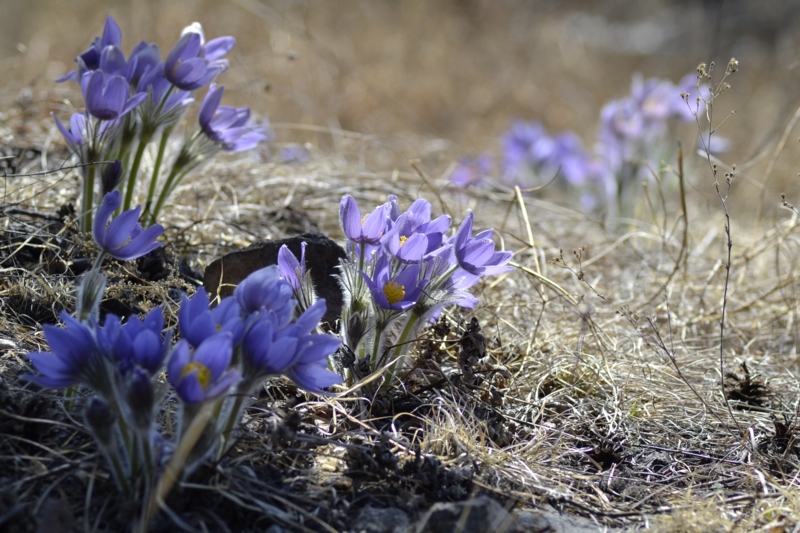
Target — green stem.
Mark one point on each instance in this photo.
(147, 453)
(69, 397)
(162, 148)
(376, 346)
(99, 260)
(233, 417)
(119, 472)
(172, 181)
(144, 140)
(88, 199)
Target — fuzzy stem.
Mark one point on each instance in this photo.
(174, 468)
(88, 199)
(396, 353)
(114, 460)
(233, 417)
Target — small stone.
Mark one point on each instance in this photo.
(479, 515)
(377, 520)
(548, 520)
(322, 260)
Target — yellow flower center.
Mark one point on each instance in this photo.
(394, 292)
(403, 239)
(203, 373)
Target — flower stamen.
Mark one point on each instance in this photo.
(203, 373)
(394, 292)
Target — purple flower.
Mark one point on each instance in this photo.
(292, 270)
(265, 291)
(225, 125)
(197, 322)
(295, 154)
(394, 292)
(155, 111)
(74, 358)
(106, 95)
(76, 134)
(135, 344)
(88, 138)
(191, 65)
(111, 176)
(366, 231)
(203, 374)
(90, 59)
(112, 61)
(144, 57)
(413, 234)
(569, 156)
(656, 98)
(469, 172)
(272, 348)
(476, 255)
(140, 399)
(621, 119)
(310, 370)
(403, 242)
(123, 238)
(530, 152)
(517, 144)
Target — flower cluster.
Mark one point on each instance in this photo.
(632, 135)
(633, 129)
(130, 101)
(232, 347)
(402, 269)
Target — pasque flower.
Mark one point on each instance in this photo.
(203, 374)
(226, 125)
(106, 95)
(265, 291)
(364, 231)
(292, 270)
(394, 292)
(271, 348)
(123, 238)
(90, 59)
(197, 322)
(138, 343)
(74, 358)
(295, 273)
(192, 64)
(477, 255)
(86, 138)
(144, 57)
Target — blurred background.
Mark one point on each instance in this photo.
(439, 80)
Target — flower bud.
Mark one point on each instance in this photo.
(111, 176)
(140, 398)
(90, 294)
(101, 420)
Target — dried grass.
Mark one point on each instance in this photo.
(600, 391)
